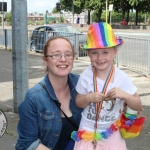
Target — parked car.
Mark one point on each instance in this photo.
(42, 33)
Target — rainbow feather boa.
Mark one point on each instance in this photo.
(129, 126)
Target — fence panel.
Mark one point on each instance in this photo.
(2, 37)
(133, 54)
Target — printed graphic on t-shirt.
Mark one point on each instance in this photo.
(106, 113)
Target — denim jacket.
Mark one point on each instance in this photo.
(40, 118)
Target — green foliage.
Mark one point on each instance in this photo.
(54, 11)
(61, 19)
(67, 5)
(54, 21)
(32, 22)
(123, 7)
(8, 17)
(95, 17)
(0, 19)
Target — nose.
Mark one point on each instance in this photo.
(63, 58)
(99, 56)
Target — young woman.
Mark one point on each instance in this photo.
(42, 125)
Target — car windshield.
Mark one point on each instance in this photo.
(68, 29)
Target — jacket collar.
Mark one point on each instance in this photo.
(50, 89)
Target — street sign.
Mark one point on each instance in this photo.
(3, 6)
(110, 7)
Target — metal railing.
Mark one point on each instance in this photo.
(133, 54)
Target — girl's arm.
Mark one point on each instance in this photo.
(83, 101)
(133, 101)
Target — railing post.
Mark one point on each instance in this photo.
(148, 57)
(6, 38)
(46, 35)
(77, 45)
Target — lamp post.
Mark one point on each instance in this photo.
(3, 13)
(73, 10)
(106, 9)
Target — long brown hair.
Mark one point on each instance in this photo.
(52, 39)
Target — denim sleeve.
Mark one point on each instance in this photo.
(28, 124)
(34, 145)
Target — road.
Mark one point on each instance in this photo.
(139, 33)
(134, 34)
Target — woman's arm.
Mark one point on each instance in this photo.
(83, 101)
(28, 124)
(42, 147)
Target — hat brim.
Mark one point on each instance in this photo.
(118, 41)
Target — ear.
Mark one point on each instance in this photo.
(115, 51)
(45, 60)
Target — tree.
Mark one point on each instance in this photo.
(139, 6)
(84, 6)
(54, 11)
(61, 18)
(8, 17)
(66, 5)
(97, 5)
(148, 3)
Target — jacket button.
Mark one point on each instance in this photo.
(55, 134)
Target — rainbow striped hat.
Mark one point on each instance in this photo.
(101, 35)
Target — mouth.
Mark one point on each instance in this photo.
(62, 66)
(100, 63)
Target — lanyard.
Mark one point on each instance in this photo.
(98, 105)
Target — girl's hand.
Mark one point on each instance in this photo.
(116, 93)
(95, 97)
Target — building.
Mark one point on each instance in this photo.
(35, 16)
(68, 17)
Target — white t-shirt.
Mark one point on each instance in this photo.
(108, 115)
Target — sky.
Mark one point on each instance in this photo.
(39, 6)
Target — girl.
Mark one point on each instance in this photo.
(102, 91)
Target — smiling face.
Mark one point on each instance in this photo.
(58, 66)
(102, 59)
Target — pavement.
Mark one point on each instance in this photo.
(36, 73)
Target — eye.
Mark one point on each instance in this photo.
(56, 55)
(68, 54)
(105, 52)
(94, 53)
